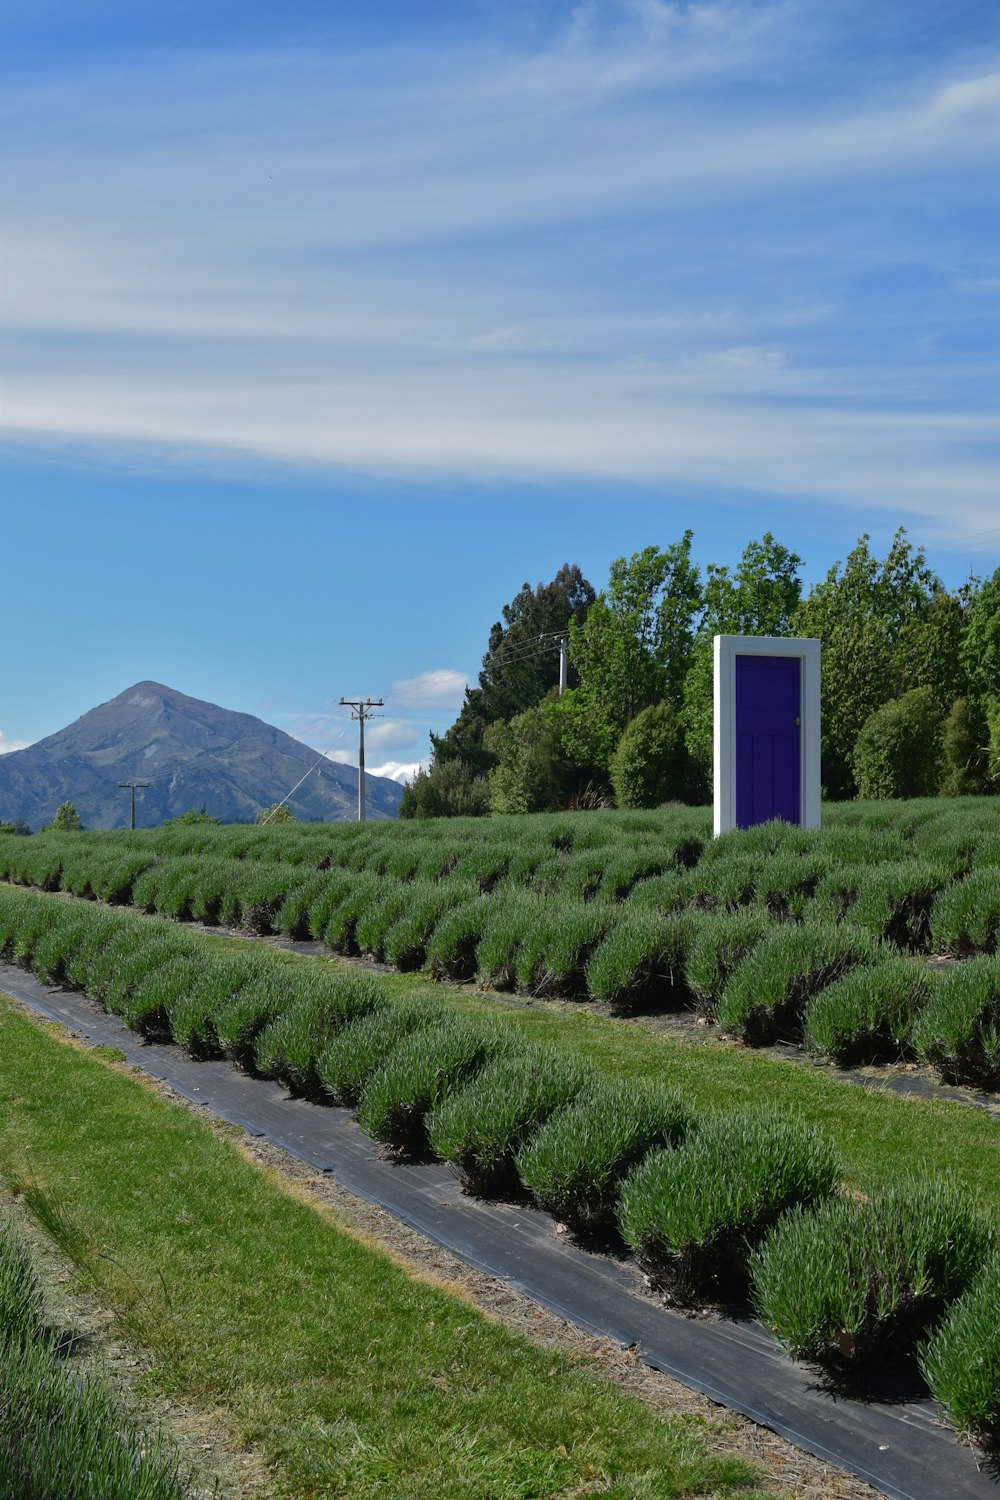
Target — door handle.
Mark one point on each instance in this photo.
(797, 721)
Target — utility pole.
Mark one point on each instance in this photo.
(361, 709)
(132, 786)
(563, 648)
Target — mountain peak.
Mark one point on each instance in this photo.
(192, 753)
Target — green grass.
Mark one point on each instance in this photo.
(352, 1377)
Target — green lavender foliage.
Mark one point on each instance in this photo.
(868, 1015)
(851, 1284)
(961, 1361)
(575, 1164)
(642, 960)
(693, 1215)
(958, 1031)
(768, 992)
(357, 1050)
(291, 1046)
(483, 1126)
(417, 1074)
(966, 917)
(719, 944)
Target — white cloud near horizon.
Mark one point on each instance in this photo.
(441, 687)
(7, 746)
(385, 262)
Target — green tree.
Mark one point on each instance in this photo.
(965, 750)
(651, 765)
(520, 666)
(632, 650)
(278, 812)
(980, 649)
(885, 627)
(66, 820)
(531, 774)
(448, 789)
(760, 598)
(898, 752)
(196, 815)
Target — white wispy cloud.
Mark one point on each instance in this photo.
(301, 259)
(6, 745)
(441, 687)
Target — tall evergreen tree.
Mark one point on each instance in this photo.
(520, 666)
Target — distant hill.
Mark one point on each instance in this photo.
(192, 753)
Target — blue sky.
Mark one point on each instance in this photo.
(327, 326)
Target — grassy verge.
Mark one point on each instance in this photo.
(355, 1378)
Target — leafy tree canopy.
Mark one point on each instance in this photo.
(278, 812)
(194, 815)
(760, 598)
(898, 752)
(66, 820)
(650, 763)
(521, 663)
(980, 649)
(885, 627)
(632, 650)
(449, 789)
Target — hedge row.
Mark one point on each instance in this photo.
(713, 1205)
(841, 987)
(63, 1436)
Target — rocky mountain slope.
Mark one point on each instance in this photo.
(192, 754)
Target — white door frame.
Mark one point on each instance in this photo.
(727, 649)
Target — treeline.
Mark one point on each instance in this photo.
(910, 682)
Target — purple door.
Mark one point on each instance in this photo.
(768, 709)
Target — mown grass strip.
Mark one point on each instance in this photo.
(356, 1379)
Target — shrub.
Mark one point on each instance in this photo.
(660, 893)
(240, 1019)
(405, 942)
(894, 901)
(786, 883)
(849, 1284)
(961, 1362)
(290, 1047)
(419, 1072)
(507, 920)
(145, 1007)
(552, 957)
(725, 884)
(768, 992)
(966, 917)
(575, 1164)
(451, 947)
(641, 962)
(964, 749)
(213, 987)
(650, 765)
(378, 916)
(719, 945)
(693, 1215)
(867, 1016)
(898, 752)
(354, 1052)
(356, 895)
(483, 1126)
(959, 1028)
